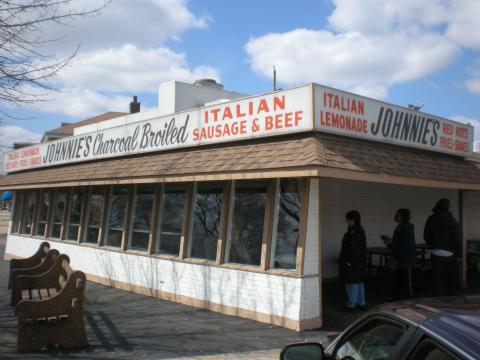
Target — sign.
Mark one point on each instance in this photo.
(353, 115)
(260, 116)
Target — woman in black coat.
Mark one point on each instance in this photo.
(404, 253)
(353, 262)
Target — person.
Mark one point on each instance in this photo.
(442, 233)
(353, 262)
(404, 253)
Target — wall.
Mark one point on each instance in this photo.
(260, 296)
(472, 214)
(377, 204)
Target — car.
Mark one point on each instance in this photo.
(427, 329)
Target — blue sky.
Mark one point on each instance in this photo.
(413, 51)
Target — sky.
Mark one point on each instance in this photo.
(404, 52)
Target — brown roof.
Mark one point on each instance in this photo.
(305, 151)
(68, 128)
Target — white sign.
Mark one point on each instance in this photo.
(260, 116)
(353, 115)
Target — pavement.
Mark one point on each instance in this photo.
(126, 325)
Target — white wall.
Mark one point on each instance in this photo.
(377, 204)
(472, 214)
(258, 292)
(175, 96)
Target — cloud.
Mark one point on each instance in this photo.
(473, 84)
(146, 23)
(129, 68)
(351, 60)
(122, 52)
(370, 45)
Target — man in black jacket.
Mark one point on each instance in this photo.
(442, 233)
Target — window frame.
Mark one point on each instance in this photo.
(82, 221)
(126, 217)
(266, 231)
(191, 220)
(18, 196)
(99, 242)
(365, 322)
(52, 222)
(153, 217)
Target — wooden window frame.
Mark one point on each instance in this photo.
(221, 227)
(266, 232)
(17, 211)
(302, 226)
(49, 193)
(102, 219)
(126, 218)
(68, 213)
(51, 221)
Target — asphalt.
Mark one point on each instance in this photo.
(126, 325)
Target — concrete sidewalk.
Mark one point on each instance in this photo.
(125, 325)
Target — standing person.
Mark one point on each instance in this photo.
(442, 234)
(404, 253)
(353, 262)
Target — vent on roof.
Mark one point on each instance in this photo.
(134, 106)
(65, 123)
(208, 83)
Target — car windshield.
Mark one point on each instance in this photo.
(375, 341)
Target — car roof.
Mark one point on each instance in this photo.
(454, 321)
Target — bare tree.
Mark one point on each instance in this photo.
(24, 67)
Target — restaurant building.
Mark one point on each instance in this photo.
(236, 203)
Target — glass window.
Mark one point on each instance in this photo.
(286, 224)
(142, 217)
(376, 340)
(428, 349)
(171, 215)
(116, 215)
(17, 209)
(246, 222)
(43, 206)
(207, 206)
(58, 211)
(94, 217)
(29, 211)
(76, 202)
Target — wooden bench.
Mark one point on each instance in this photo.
(41, 268)
(50, 312)
(30, 262)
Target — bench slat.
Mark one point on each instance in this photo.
(35, 294)
(52, 292)
(44, 294)
(26, 294)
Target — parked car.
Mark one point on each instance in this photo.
(428, 329)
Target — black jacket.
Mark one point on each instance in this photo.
(403, 245)
(353, 256)
(442, 231)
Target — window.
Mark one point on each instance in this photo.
(286, 224)
(246, 222)
(171, 215)
(375, 340)
(116, 215)
(58, 212)
(77, 199)
(29, 212)
(17, 210)
(94, 216)
(428, 349)
(205, 223)
(142, 217)
(43, 207)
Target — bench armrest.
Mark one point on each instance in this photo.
(69, 300)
